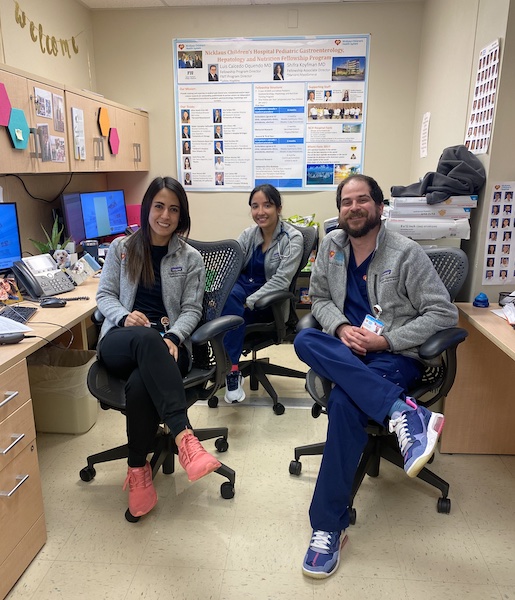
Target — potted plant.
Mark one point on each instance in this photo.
(53, 242)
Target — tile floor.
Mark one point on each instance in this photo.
(195, 545)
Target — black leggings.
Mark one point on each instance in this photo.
(154, 391)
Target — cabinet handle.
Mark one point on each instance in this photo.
(100, 145)
(8, 397)
(37, 137)
(22, 479)
(137, 152)
(16, 437)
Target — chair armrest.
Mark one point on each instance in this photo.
(97, 317)
(273, 298)
(213, 328)
(308, 322)
(441, 341)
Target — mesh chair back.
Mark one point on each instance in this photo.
(451, 264)
(224, 261)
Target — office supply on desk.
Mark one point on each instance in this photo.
(21, 314)
(10, 338)
(40, 276)
(11, 326)
(52, 302)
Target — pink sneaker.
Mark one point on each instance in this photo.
(142, 494)
(196, 461)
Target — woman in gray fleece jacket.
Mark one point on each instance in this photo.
(150, 294)
(273, 251)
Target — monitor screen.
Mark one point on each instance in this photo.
(103, 213)
(73, 222)
(10, 244)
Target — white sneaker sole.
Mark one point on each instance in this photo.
(434, 429)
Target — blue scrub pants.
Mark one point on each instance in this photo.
(365, 387)
(233, 340)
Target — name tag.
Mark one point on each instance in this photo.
(373, 325)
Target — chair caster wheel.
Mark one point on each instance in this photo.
(444, 505)
(87, 473)
(278, 408)
(316, 411)
(130, 517)
(352, 516)
(295, 467)
(221, 444)
(227, 490)
(212, 402)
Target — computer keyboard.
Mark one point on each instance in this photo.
(21, 314)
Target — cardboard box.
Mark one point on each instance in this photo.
(461, 201)
(430, 229)
(427, 211)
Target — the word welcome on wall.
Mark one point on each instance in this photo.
(48, 44)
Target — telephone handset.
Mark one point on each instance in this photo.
(40, 276)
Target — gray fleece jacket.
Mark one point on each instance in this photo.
(282, 259)
(182, 280)
(400, 278)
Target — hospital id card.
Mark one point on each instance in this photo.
(373, 325)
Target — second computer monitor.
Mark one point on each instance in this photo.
(103, 213)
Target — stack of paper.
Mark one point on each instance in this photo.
(414, 218)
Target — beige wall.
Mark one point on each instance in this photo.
(422, 59)
(62, 19)
(136, 69)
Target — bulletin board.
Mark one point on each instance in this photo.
(286, 111)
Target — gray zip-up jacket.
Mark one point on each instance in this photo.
(182, 280)
(282, 259)
(401, 279)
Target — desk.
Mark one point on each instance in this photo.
(480, 408)
(22, 519)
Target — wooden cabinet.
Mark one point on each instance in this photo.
(132, 127)
(22, 520)
(50, 150)
(47, 149)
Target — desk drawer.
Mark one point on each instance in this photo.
(16, 432)
(24, 505)
(14, 389)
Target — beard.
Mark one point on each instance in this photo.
(372, 221)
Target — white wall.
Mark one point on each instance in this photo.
(136, 68)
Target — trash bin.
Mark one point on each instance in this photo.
(60, 396)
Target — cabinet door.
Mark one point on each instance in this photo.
(90, 149)
(134, 153)
(48, 117)
(13, 160)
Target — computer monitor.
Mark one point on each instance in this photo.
(10, 243)
(72, 213)
(103, 213)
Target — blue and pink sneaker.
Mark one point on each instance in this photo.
(417, 432)
(323, 555)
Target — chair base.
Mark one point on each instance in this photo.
(378, 446)
(259, 369)
(163, 456)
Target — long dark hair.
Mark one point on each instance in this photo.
(139, 256)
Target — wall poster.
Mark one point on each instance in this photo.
(288, 111)
(499, 267)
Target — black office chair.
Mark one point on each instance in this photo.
(223, 261)
(452, 267)
(262, 335)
